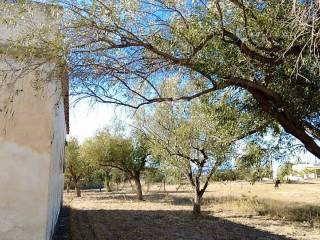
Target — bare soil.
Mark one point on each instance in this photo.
(167, 215)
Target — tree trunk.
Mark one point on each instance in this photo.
(68, 187)
(164, 184)
(77, 186)
(138, 188)
(197, 204)
(108, 187)
(198, 196)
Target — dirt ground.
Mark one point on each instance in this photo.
(167, 215)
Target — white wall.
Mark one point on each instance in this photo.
(32, 138)
(23, 192)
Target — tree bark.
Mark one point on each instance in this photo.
(272, 104)
(287, 121)
(78, 191)
(138, 187)
(108, 187)
(197, 204)
(197, 197)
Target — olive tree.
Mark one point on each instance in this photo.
(95, 150)
(126, 154)
(195, 139)
(254, 164)
(76, 166)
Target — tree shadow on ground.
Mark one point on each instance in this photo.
(158, 225)
(131, 196)
(123, 196)
(187, 201)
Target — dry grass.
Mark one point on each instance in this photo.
(292, 202)
(231, 211)
(273, 208)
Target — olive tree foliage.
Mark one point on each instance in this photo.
(116, 151)
(29, 46)
(196, 139)
(95, 149)
(76, 166)
(123, 52)
(254, 164)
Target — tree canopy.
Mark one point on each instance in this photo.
(125, 53)
(116, 151)
(197, 138)
(77, 167)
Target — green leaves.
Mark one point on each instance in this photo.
(77, 167)
(254, 164)
(112, 150)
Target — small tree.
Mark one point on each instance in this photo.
(285, 170)
(95, 150)
(254, 164)
(154, 174)
(77, 167)
(126, 154)
(117, 177)
(195, 139)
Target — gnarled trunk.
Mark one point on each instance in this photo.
(198, 194)
(197, 197)
(138, 187)
(196, 211)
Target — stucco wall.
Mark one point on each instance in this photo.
(56, 178)
(32, 138)
(23, 192)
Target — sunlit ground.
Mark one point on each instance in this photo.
(230, 211)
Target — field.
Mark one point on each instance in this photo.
(230, 211)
